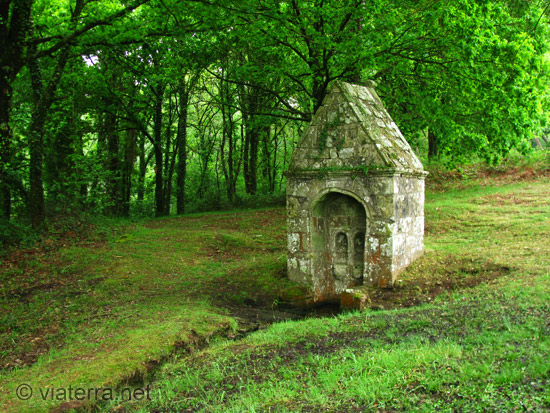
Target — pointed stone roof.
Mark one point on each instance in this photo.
(353, 130)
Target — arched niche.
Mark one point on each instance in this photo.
(338, 240)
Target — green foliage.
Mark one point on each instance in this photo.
(15, 233)
(199, 105)
(477, 79)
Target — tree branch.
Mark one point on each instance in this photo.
(67, 39)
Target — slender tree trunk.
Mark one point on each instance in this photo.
(285, 156)
(253, 172)
(142, 169)
(251, 139)
(41, 103)
(130, 151)
(206, 147)
(129, 158)
(168, 184)
(226, 166)
(247, 99)
(37, 209)
(229, 169)
(246, 151)
(269, 169)
(5, 138)
(168, 157)
(83, 185)
(232, 164)
(157, 137)
(113, 165)
(433, 149)
(5, 144)
(250, 159)
(5, 211)
(183, 95)
(218, 180)
(277, 143)
(108, 148)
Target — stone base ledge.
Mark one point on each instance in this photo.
(355, 298)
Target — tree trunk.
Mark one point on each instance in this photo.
(168, 182)
(37, 209)
(253, 184)
(113, 165)
(225, 166)
(319, 89)
(433, 149)
(157, 144)
(183, 95)
(250, 159)
(269, 169)
(84, 185)
(5, 142)
(129, 158)
(251, 139)
(229, 165)
(42, 101)
(15, 23)
(5, 211)
(168, 159)
(246, 152)
(5, 132)
(142, 169)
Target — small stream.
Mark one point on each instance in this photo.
(252, 318)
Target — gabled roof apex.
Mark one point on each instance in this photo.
(352, 129)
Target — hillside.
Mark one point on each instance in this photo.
(171, 303)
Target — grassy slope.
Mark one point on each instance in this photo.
(101, 315)
(481, 349)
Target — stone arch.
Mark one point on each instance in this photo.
(339, 225)
(324, 192)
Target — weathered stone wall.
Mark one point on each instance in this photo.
(408, 241)
(380, 189)
(306, 264)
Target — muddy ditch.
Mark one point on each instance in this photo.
(426, 280)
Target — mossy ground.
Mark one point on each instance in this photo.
(137, 306)
(101, 313)
(479, 341)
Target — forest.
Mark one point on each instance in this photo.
(143, 229)
(159, 107)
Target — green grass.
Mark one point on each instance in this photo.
(480, 349)
(478, 352)
(103, 314)
(153, 304)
